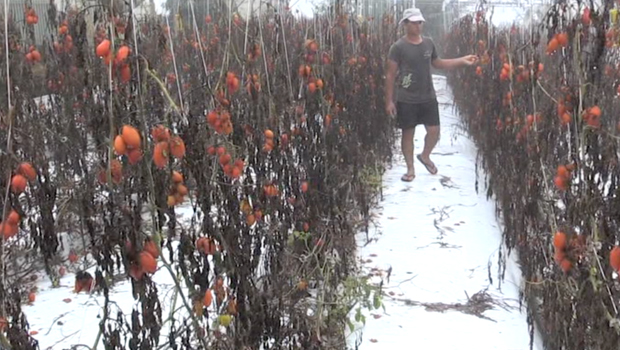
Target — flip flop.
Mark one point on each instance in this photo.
(430, 167)
(407, 177)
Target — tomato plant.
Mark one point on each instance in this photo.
(542, 109)
(199, 146)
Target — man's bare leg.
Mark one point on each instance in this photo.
(430, 141)
(407, 148)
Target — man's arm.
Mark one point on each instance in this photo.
(440, 63)
(390, 77)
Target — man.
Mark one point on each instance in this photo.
(411, 58)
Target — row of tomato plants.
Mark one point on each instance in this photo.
(263, 130)
(542, 108)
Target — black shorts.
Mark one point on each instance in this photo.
(410, 115)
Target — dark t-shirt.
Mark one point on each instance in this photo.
(414, 82)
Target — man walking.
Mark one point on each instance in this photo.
(411, 58)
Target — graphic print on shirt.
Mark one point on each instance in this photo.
(406, 81)
(410, 80)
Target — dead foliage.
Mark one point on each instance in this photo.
(542, 108)
(259, 132)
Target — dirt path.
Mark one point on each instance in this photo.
(438, 240)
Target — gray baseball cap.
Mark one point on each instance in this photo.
(413, 15)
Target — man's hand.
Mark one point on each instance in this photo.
(390, 109)
(469, 59)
